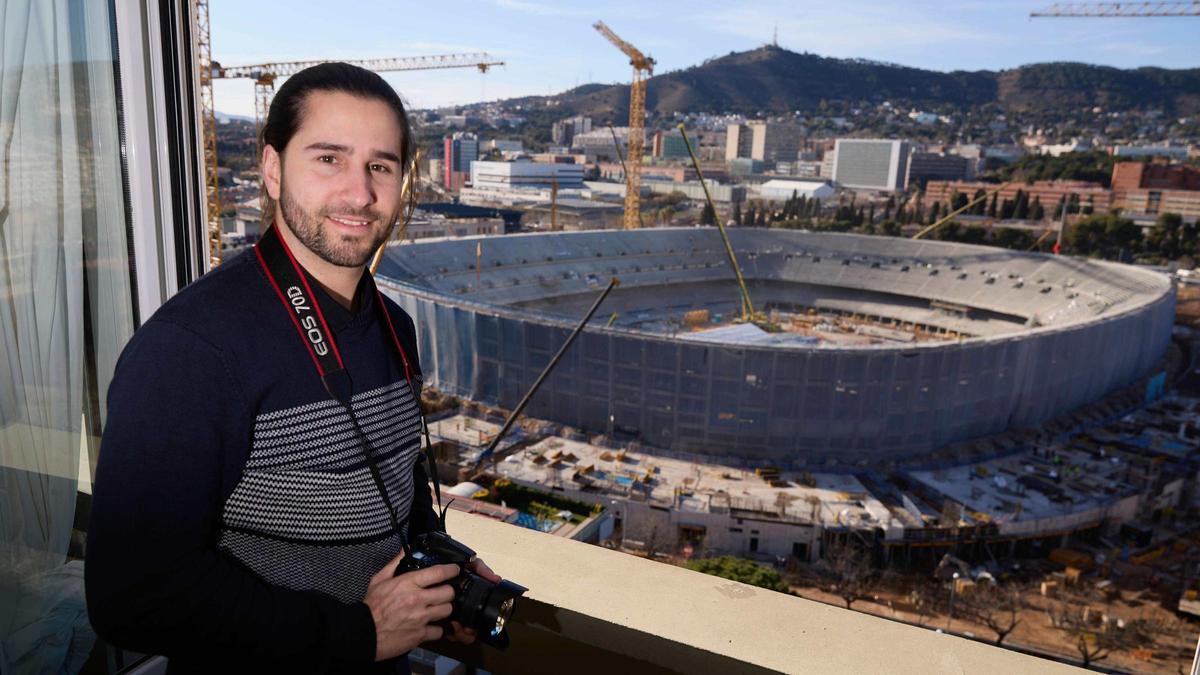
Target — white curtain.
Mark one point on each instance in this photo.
(65, 305)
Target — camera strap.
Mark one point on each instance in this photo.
(292, 287)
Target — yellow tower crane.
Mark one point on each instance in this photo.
(264, 76)
(1118, 9)
(643, 68)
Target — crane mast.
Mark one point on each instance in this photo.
(1118, 9)
(643, 68)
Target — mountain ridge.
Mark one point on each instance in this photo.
(773, 80)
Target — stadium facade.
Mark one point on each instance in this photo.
(1035, 336)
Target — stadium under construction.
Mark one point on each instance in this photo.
(875, 348)
(941, 397)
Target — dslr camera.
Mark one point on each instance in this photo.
(478, 603)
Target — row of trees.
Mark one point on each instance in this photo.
(1107, 235)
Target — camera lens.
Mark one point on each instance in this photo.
(502, 616)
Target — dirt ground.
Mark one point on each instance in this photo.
(1170, 653)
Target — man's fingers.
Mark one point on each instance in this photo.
(481, 568)
(439, 612)
(432, 576)
(437, 595)
(432, 633)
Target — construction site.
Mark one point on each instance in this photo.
(1023, 338)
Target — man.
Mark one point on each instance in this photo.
(243, 516)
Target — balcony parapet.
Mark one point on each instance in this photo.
(591, 609)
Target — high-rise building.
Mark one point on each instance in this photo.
(926, 166)
(870, 164)
(461, 148)
(669, 145)
(767, 142)
(565, 130)
(739, 142)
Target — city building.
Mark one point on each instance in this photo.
(426, 225)
(563, 132)
(598, 144)
(1059, 149)
(926, 166)
(501, 145)
(669, 145)
(460, 149)
(871, 164)
(521, 182)
(782, 190)
(677, 172)
(1048, 192)
(573, 215)
(743, 167)
(1177, 153)
(524, 173)
(739, 141)
(767, 142)
(1149, 189)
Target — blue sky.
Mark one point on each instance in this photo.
(550, 46)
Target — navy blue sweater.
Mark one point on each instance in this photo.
(234, 519)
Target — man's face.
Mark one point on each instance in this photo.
(338, 183)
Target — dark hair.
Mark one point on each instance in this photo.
(287, 113)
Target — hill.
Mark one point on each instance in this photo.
(775, 80)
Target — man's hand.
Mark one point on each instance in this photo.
(467, 635)
(405, 607)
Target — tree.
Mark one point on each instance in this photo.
(1037, 211)
(980, 207)
(762, 218)
(1166, 238)
(849, 568)
(1021, 205)
(1094, 637)
(890, 227)
(991, 211)
(1007, 207)
(708, 216)
(935, 212)
(737, 213)
(740, 569)
(996, 606)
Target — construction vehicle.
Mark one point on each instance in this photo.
(643, 68)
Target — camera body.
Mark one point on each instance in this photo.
(478, 603)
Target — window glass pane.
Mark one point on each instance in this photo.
(66, 310)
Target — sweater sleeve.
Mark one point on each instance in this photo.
(178, 427)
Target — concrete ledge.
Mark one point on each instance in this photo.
(590, 609)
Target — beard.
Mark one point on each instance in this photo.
(340, 250)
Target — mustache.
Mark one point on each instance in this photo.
(367, 213)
